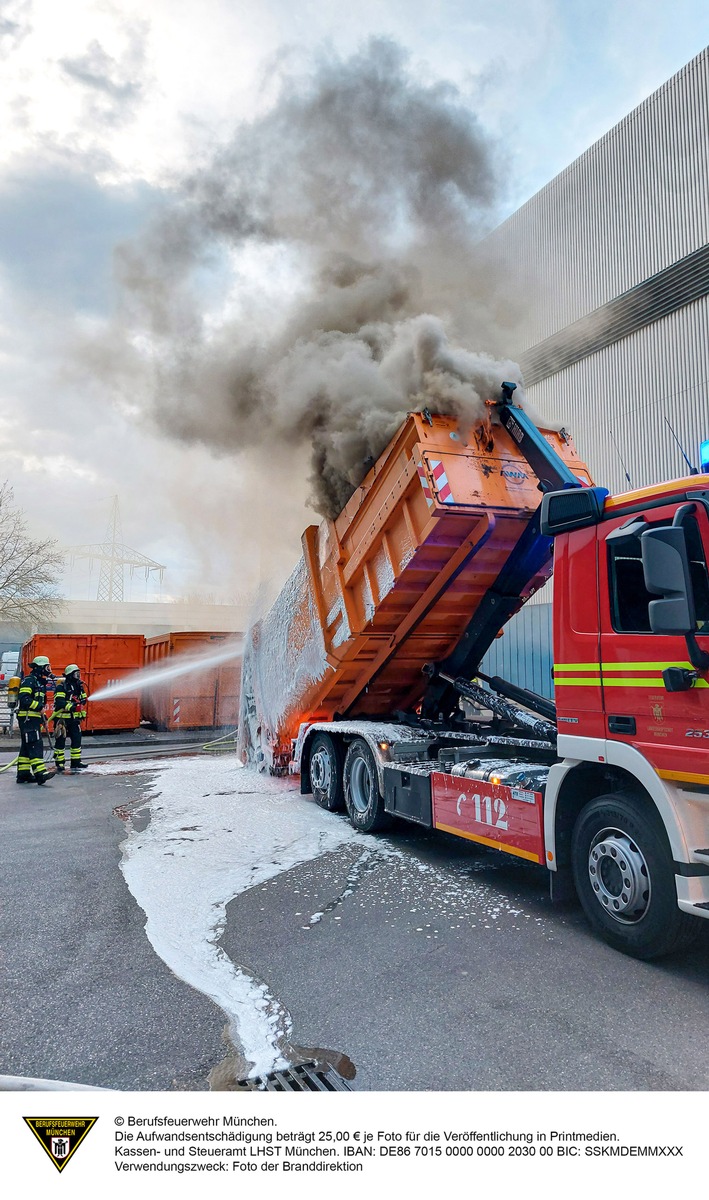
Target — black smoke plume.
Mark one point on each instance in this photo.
(368, 188)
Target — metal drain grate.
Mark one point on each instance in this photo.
(307, 1077)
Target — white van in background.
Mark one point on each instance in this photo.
(9, 666)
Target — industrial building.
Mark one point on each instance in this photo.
(611, 260)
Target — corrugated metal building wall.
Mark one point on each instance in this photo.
(613, 257)
(524, 652)
(632, 205)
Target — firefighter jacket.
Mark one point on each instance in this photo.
(32, 697)
(69, 700)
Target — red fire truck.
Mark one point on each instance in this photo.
(355, 678)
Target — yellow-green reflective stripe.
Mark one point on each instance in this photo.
(621, 666)
(634, 681)
(642, 666)
(582, 681)
(576, 666)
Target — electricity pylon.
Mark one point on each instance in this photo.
(114, 555)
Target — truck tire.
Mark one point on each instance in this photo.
(625, 880)
(326, 757)
(364, 801)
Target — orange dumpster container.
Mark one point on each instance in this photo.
(206, 698)
(391, 583)
(102, 658)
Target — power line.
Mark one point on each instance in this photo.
(113, 556)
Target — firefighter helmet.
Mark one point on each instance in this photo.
(40, 660)
(71, 669)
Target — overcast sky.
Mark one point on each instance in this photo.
(105, 112)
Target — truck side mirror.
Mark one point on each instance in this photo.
(666, 572)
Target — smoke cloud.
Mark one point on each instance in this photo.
(359, 196)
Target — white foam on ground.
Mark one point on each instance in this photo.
(216, 830)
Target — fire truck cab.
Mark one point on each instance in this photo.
(627, 808)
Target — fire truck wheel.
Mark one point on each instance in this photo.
(364, 801)
(624, 878)
(326, 773)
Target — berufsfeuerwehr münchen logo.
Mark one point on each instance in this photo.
(60, 1136)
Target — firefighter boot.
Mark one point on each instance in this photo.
(78, 765)
(24, 774)
(45, 777)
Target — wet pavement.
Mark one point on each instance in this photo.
(83, 996)
(427, 962)
(446, 967)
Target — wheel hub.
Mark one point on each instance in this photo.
(619, 876)
(320, 774)
(360, 785)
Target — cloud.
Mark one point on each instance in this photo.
(113, 83)
(14, 24)
(58, 231)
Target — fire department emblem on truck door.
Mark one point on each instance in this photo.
(658, 712)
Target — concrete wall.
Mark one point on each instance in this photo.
(524, 654)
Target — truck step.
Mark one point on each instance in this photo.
(702, 854)
(307, 1077)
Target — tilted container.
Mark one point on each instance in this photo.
(391, 583)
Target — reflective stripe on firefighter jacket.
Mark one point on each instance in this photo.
(69, 701)
(32, 697)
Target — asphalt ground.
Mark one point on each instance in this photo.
(439, 965)
(448, 968)
(83, 996)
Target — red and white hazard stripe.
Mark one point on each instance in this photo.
(176, 712)
(424, 484)
(440, 478)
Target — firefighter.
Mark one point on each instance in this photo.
(32, 698)
(69, 711)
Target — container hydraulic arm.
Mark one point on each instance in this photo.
(526, 559)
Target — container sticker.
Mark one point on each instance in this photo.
(424, 484)
(443, 487)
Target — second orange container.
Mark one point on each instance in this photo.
(205, 698)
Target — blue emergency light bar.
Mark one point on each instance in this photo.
(704, 457)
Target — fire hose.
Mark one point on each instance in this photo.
(13, 761)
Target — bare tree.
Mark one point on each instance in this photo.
(29, 569)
